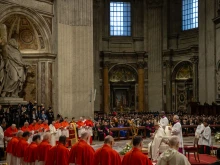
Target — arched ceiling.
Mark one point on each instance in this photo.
(26, 31)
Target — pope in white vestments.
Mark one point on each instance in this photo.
(176, 130)
(171, 156)
(158, 144)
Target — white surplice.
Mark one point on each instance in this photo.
(206, 137)
(53, 133)
(8, 158)
(199, 129)
(158, 145)
(65, 132)
(172, 157)
(177, 131)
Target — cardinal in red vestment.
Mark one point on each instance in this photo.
(11, 145)
(89, 125)
(10, 132)
(43, 148)
(81, 126)
(59, 154)
(135, 156)
(82, 153)
(26, 127)
(21, 147)
(30, 154)
(106, 155)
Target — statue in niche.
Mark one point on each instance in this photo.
(12, 68)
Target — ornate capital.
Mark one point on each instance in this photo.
(97, 3)
(168, 63)
(154, 3)
(141, 65)
(194, 59)
(106, 64)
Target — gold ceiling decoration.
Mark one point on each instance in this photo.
(184, 72)
(122, 74)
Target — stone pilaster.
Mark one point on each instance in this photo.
(106, 87)
(207, 54)
(140, 86)
(195, 61)
(168, 64)
(154, 30)
(98, 25)
(74, 62)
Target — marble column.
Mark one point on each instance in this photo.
(154, 49)
(168, 64)
(140, 86)
(106, 87)
(194, 61)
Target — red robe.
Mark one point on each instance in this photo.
(80, 124)
(46, 127)
(58, 155)
(24, 128)
(81, 153)
(10, 148)
(57, 125)
(42, 150)
(135, 156)
(30, 153)
(64, 124)
(39, 127)
(14, 144)
(33, 127)
(21, 147)
(89, 123)
(9, 132)
(106, 156)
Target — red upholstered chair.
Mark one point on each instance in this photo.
(193, 149)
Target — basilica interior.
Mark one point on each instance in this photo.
(116, 55)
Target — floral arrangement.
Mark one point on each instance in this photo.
(217, 137)
(126, 149)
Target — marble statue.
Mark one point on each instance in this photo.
(12, 68)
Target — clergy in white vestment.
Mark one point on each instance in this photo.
(163, 120)
(199, 130)
(53, 132)
(205, 139)
(158, 144)
(176, 130)
(171, 156)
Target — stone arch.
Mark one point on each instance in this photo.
(184, 65)
(32, 15)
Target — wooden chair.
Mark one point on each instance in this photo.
(193, 149)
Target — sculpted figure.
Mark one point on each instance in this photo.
(14, 69)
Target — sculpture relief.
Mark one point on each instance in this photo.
(12, 68)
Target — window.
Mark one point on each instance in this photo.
(189, 14)
(120, 18)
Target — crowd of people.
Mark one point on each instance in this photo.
(28, 125)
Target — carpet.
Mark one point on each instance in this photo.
(204, 159)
